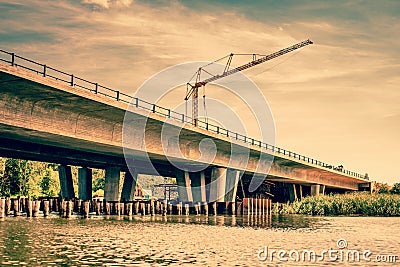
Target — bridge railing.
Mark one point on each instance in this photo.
(74, 81)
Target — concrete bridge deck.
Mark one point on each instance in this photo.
(44, 117)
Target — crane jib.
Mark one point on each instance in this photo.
(192, 90)
(255, 62)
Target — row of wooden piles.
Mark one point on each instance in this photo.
(67, 208)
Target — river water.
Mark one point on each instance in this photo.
(200, 241)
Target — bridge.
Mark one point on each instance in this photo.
(50, 115)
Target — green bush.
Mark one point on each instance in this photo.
(395, 189)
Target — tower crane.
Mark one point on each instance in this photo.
(192, 89)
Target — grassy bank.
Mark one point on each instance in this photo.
(358, 203)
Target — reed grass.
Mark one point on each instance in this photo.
(358, 203)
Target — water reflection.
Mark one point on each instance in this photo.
(179, 240)
(257, 222)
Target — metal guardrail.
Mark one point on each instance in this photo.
(72, 80)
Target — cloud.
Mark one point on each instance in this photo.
(109, 3)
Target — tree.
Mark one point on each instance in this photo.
(28, 178)
(4, 182)
(50, 186)
(382, 188)
(98, 184)
(16, 177)
(395, 189)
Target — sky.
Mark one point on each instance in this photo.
(336, 100)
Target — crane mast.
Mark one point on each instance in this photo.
(193, 89)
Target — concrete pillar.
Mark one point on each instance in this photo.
(184, 186)
(224, 184)
(301, 191)
(66, 184)
(218, 183)
(198, 184)
(129, 187)
(111, 187)
(85, 183)
(292, 194)
(232, 179)
(322, 189)
(315, 190)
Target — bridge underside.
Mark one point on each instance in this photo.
(11, 147)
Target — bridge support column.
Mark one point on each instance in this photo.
(111, 187)
(322, 189)
(292, 192)
(184, 186)
(128, 189)
(301, 191)
(198, 184)
(224, 187)
(66, 184)
(315, 190)
(85, 184)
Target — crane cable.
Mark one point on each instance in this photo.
(204, 104)
(283, 61)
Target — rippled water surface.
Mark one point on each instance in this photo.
(195, 241)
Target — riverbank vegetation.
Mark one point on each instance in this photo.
(357, 203)
(34, 179)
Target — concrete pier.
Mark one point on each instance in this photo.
(129, 186)
(184, 186)
(198, 186)
(66, 184)
(85, 183)
(317, 190)
(111, 187)
(223, 188)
